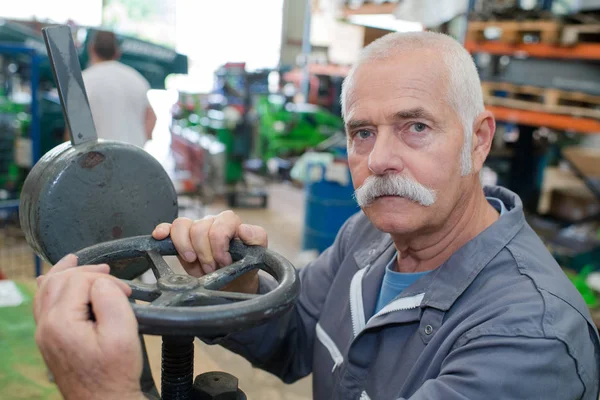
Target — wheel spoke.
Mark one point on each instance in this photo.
(235, 296)
(159, 265)
(204, 297)
(221, 277)
(142, 291)
(168, 299)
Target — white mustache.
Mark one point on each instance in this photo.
(393, 185)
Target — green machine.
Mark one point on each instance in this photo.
(275, 126)
(208, 115)
(16, 69)
(288, 129)
(272, 130)
(212, 116)
(230, 115)
(259, 129)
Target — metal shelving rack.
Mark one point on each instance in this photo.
(35, 129)
(524, 176)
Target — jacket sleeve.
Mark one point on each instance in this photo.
(284, 346)
(510, 367)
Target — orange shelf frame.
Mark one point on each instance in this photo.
(582, 51)
(552, 121)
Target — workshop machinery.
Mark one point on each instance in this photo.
(227, 115)
(274, 125)
(31, 120)
(288, 129)
(100, 200)
(263, 132)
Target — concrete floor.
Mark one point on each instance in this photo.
(283, 220)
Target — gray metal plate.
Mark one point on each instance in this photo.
(92, 193)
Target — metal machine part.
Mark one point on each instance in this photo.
(218, 386)
(83, 195)
(181, 307)
(118, 189)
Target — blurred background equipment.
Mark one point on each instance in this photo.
(538, 62)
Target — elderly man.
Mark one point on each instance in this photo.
(437, 290)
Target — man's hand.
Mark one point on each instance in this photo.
(99, 359)
(203, 245)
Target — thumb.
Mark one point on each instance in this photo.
(252, 235)
(113, 312)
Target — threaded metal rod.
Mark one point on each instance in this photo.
(177, 367)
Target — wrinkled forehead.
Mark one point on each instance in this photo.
(420, 75)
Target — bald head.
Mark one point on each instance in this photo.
(463, 88)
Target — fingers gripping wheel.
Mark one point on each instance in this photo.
(183, 305)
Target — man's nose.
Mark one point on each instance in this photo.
(385, 156)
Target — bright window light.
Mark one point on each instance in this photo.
(212, 33)
(88, 12)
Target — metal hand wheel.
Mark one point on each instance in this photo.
(182, 305)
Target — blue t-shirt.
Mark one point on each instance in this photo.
(395, 282)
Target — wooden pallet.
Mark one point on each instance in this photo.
(513, 32)
(533, 98)
(581, 33)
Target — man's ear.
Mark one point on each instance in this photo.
(483, 136)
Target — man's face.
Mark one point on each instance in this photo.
(399, 123)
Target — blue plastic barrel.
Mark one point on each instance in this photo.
(328, 205)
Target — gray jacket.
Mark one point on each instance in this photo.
(498, 320)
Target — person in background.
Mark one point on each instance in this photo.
(117, 94)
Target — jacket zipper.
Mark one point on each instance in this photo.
(402, 304)
(329, 344)
(357, 309)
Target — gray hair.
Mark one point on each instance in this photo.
(464, 88)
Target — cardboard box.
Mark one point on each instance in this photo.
(573, 204)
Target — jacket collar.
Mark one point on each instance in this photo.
(444, 285)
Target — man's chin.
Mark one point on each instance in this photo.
(393, 214)
(394, 226)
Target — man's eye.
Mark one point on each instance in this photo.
(363, 134)
(418, 127)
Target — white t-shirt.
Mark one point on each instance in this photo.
(118, 98)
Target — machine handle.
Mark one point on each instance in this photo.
(69, 82)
